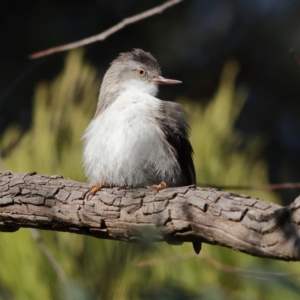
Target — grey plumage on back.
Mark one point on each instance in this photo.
(176, 130)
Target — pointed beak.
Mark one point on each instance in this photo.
(162, 80)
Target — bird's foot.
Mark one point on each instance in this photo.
(157, 187)
(94, 189)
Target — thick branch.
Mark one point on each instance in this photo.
(174, 215)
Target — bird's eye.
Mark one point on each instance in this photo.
(141, 72)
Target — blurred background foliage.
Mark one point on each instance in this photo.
(241, 91)
(98, 269)
(192, 41)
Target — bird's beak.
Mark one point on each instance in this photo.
(162, 80)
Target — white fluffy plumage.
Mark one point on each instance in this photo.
(124, 146)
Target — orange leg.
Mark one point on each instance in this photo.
(94, 189)
(157, 187)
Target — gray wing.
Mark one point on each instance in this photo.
(172, 121)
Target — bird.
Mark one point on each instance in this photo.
(135, 139)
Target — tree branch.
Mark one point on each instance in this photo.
(102, 36)
(173, 215)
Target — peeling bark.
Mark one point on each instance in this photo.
(173, 215)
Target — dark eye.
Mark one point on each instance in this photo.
(141, 72)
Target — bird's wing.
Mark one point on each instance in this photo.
(172, 121)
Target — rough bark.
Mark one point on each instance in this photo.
(174, 215)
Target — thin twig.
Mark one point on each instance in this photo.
(1, 163)
(295, 57)
(102, 36)
(164, 261)
(218, 265)
(59, 271)
(275, 186)
(226, 268)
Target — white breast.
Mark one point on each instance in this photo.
(124, 145)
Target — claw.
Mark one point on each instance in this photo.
(157, 187)
(94, 189)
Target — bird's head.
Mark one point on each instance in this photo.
(137, 70)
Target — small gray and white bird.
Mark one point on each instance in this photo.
(135, 139)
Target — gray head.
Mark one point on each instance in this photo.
(136, 70)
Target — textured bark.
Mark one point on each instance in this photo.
(174, 215)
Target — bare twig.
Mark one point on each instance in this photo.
(222, 267)
(102, 36)
(218, 265)
(165, 261)
(1, 163)
(275, 186)
(59, 271)
(295, 57)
